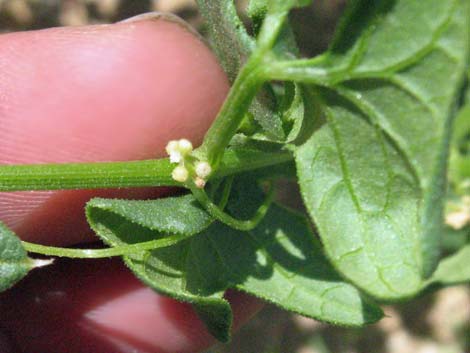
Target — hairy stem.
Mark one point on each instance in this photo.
(243, 91)
(236, 105)
(122, 174)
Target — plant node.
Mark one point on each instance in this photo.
(179, 152)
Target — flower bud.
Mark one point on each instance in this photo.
(203, 169)
(199, 182)
(180, 174)
(173, 150)
(171, 147)
(185, 146)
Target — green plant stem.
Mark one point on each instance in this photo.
(236, 105)
(272, 26)
(244, 89)
(122, 174)
(218, 213)
(101, 253)
(226, 193)
(302, 71)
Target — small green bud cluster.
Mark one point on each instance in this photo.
(179, 152)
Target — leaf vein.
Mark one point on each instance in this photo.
(370, 111)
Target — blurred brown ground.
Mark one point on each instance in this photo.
(437, 323)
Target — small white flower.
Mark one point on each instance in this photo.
(176, 157)
(199, 182)
(172, 147)
(185, 146)
(177, 150)
(203, 169)
(173, 150)
(180, 174)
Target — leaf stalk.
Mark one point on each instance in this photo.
(103, 253)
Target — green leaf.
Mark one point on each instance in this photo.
(264, 111)
(459, 164)
(454, 269)
(467, 94)
(179, 271)
(291, 270)
(373, 178)
(305, 115)
(233, 45)
(461, 128)
(259, 8)
(455, 239)
(286, 45)
(172, 215)
(228, 36)
(279, 261)
(391, 35)
(14, 261)
(293, 115)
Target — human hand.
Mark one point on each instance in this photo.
(98, 93)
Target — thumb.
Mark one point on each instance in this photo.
(97, 93)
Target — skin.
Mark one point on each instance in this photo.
(98, 93)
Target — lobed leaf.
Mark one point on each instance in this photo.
(14, 261)
(373, 177)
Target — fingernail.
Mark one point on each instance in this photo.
(165, 16)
